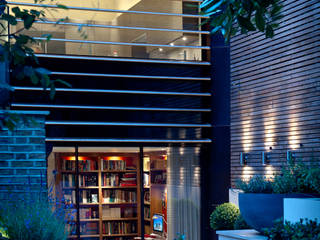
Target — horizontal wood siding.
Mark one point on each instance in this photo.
(275, 92)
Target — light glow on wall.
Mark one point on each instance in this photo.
(294, 138)
(247, 173)
(269, 139)
(246, 136)
(269, 172)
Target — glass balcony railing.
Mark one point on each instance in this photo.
(165, 29)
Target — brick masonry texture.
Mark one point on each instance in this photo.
(23, 162)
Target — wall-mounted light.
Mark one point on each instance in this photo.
(160, 49)
(265, 158)
(184, 38)
(290, 156)
(244, 158)
(171, 44)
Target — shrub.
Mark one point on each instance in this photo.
(294, 178)
(224, 217)
(240, 223)
(34, 216)
(303, 230)
(257, 184)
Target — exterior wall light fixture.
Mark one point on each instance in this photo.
(290, 155)
(244, 158)
(265, 158)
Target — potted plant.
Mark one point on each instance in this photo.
(261, 202)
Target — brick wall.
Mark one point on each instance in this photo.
(23, 153)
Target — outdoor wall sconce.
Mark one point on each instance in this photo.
(244, 158)
(265, 158)
(290, 156)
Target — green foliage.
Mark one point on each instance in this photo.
(303, 230)
(17, 45)
(228, 16)
(294, 178)
(224, 217)
(34, 215)
(240, 223)
(257, 184)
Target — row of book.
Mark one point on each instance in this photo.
(88, 213)
(70, 196)
(119, 196)
(113, 164)
(68, 180)
(117, 212)
(120, 227)
(89, 196)
(118, 179)
(147, 212)
(84, 165)
(89, 228)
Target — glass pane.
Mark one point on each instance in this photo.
(106, 30)
(112, 197)
(172, 192)
(61, 179)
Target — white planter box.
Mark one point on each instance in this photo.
(249, 234)
(296, 208)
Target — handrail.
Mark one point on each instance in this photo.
(123, 43)
(108, 10)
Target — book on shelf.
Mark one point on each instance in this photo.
(119, 196)
(113, 165)
(89, 213)
(88, 180)
(68, 165)
(89, 228)
(111, 179)
(108, 212)
(128, 179)
(70, 197)
(110, 228)
(88, 165)
(68, 180)
(147, 196)
(89, 196)
(146, 180)
(147, 212)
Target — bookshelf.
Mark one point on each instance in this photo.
(108, 193)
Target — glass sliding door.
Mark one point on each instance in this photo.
(172, 191)
(124, 193)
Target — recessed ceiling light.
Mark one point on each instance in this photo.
(160, 49)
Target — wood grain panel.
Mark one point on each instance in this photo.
(275, 92)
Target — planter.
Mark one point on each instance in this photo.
(297, 208)
(260, 210)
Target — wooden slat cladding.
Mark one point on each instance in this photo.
(275, 92)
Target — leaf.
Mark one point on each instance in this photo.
(42, 71)
(206, 3)
(28, 71)
(52, 91)
(260, 21)
(269, 32)
(47, 36)
(245, 23)
(28, 20)
(34, 79)
(215, 6)
(10, 19)
(64, 83)
(62, 6)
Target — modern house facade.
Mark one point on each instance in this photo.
(130, 144)
(141, 142)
